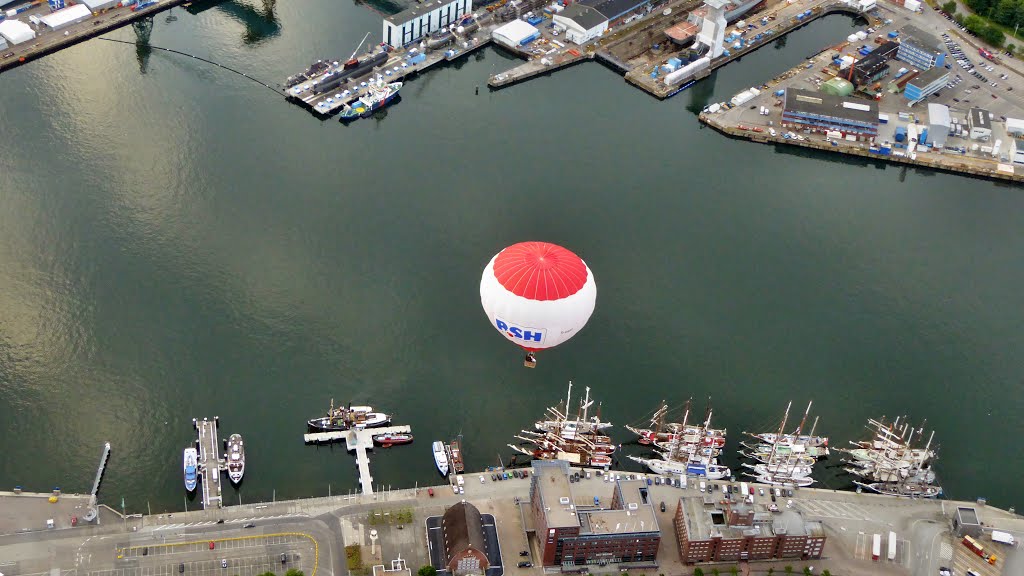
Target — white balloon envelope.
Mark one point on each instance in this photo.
(537, 295)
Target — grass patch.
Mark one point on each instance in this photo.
(387, 517)
(354, 556)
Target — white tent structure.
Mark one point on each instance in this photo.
(16, 31)
(66, 16)
(515, 34)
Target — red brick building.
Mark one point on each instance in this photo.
(735, 531)
(464, 551)
(574, 531)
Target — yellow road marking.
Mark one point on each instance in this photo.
(316, 547)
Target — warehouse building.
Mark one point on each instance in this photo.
(818, 112)
(464, 548)
(573, 530)
(980, 123)
(66, 17)
(707, 533)
(99, 5)
(837, 87)
(921, 49)
(875, 65)
(581, 23)
(515, 34)
(925, 84)
(1015, 128)
(410, 25)
(939, 124)
(16, 31)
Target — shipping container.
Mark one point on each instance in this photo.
(892, 546)
(883, 118)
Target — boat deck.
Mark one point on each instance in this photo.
(358, 441)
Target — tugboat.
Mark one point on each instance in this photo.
(236, 458)
(344, 418)
(389, 440)
(190, 457)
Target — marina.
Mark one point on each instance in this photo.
(359, 440)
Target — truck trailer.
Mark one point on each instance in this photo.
(1003, 537)
(876, 547)
(978, 549)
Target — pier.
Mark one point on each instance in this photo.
(210, 462)
(358, 440)
(94, 511)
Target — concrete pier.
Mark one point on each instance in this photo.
(93, 512)
(359, 441)
(210, 462)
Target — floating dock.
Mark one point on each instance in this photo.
(359, 441)
(94, 511)
(210, 462)
(400, 65)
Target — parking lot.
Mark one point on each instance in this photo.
(239, 556)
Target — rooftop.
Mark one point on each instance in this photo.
(584, 15)
(705, 521)
(417, 10)
(938, 114)
(928, 76)
(637, 514)
(920, 38)
(822, 104)
(552, 480)
(978, 118)
(614, 8)
(968, 515)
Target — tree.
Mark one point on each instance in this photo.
(715, 571)
(993, 35)
(698, 572)
(789, 569)
(426, 571)
(949, 7)
(734, 570)
(825, 572)
(294, 572)
(807, 571)
(771, 571)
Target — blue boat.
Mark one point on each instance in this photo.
(190, 468)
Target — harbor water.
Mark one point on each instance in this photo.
(177, 241)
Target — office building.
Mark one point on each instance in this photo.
(920, 49)
(925, 84)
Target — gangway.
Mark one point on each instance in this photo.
(94, 511)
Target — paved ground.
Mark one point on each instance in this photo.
(318, 529)
(25, 512)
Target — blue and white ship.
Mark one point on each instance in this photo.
(378, 95)
(191, 475)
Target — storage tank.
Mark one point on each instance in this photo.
(901, 134)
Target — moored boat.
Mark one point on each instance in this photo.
(391, 439)
(191, 469)
(236, 458)
(709, 471)
(347, 417)
(379, 94)
(440, 457)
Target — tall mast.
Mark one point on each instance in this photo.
(813, 426)
(804, 420)
(659, 424)
(568, 395)
(778, 436)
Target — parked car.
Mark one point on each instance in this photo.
(663, 506)
(524, 553)
(223, 562)
(181, 568)
(249, 525)
(525, 564)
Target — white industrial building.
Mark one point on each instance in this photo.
(515, 34)
(16, 31)
(712, 28)
(98, 5)
(410, 25)
(66, 17)
(581, 23)
(1015, 128)
(980, 124)
(938, 124)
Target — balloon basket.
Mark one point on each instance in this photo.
(530, 363)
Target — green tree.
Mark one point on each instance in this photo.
(1005, 12)
(268, 574)
(974, 23)
(734, 570)
(715, 571)
(771, 571)
(807, 571)
(698, 572)
(294, 572)
(993, 35)
(949, 7)
(426, 571)
(789, 569)
(825, 572)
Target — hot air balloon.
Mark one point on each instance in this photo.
(537, 295)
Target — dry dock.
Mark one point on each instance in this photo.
(48, 41)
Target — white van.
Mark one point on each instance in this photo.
(703, 486)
